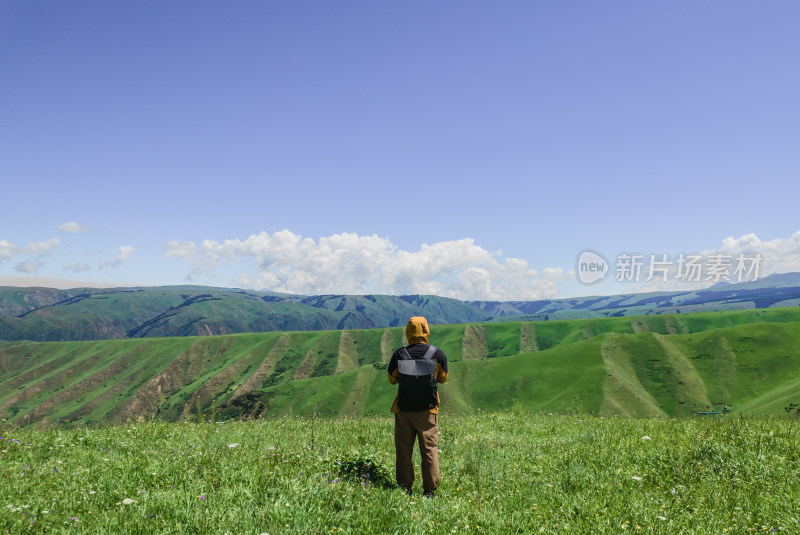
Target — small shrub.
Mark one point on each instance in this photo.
(367, 469)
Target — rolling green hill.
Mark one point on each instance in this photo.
(666, 365)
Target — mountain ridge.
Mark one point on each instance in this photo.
(47, 314)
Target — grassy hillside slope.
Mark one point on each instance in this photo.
(668, 365)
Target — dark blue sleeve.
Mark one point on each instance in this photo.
(392, 364)
(440, 357)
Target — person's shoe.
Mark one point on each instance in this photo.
(429, 494)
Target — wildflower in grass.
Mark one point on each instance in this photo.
(202, 498)
(128, 501)
(234, 445)
(636, 478)
(646, 438)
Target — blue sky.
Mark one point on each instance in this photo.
(460, 148)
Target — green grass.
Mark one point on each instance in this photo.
(512, 471)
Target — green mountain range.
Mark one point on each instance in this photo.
(46, 314)
(661, 365)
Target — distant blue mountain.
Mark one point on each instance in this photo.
(773, 291)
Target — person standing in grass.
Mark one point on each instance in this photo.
(417, 368)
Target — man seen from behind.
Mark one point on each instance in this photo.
(417, 368)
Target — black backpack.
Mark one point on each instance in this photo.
(417, 391)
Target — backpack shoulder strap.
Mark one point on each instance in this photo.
(403, 352)
(429, 353)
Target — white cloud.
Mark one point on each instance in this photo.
(9, 250)
(76, 267)
(123, 253)
(72, 226)
(781, 255)
(28, 267)
(243, 281)
(185, 249)
(349, 263)
(42, 247)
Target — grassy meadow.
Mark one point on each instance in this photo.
(579, 426)
(511, 471)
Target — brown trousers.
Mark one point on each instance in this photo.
(423, 426)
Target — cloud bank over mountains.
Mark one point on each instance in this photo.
(349, 263)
